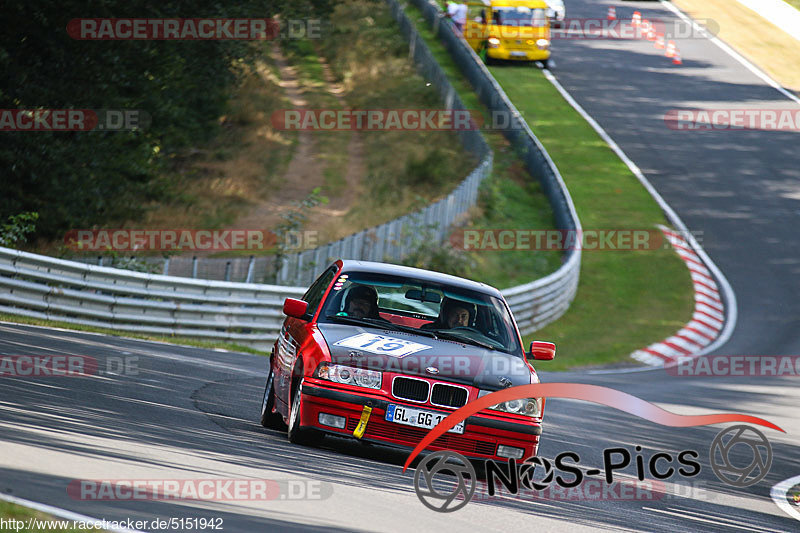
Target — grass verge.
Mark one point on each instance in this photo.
(626, 299)
(182, 341)
(41, 522)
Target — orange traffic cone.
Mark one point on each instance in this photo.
(676, 59)
(651, 33)
(671, 48)
(612, 13)
(636, 21)
(660, 41)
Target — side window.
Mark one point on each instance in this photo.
(314, 293)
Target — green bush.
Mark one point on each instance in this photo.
(16, 229)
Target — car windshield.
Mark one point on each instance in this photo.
(518, 16)
(431, 309)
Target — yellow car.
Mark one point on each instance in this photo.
(516, 30)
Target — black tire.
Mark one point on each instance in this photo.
(296, 433)
(268, 418)
(544, 62)
(484, 54)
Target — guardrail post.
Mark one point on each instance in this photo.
(194, 267)
(166, 266)
(227, 271)
(250, 267)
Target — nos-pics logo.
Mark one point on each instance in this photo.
(446, 481)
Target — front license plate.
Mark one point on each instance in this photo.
(409, 416)
(519, 54)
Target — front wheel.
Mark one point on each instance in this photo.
(268, 418)
(544, 62)
(298, 434)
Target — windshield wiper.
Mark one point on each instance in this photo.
(456, 337)
(382, 324)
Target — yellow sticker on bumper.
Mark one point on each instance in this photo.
(362, 424)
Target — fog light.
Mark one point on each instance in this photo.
(336, 421)
(510, 452)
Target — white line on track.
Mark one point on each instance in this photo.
(672, 216)
(778, 494)
(61, 513)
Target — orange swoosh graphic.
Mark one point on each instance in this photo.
(590, 393)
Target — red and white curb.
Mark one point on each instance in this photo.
(708, 318)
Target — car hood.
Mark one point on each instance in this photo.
(441, 359)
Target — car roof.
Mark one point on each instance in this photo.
(351, 265)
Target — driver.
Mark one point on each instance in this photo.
(453, 314)
(457, 314)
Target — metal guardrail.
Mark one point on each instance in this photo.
(540, 302)
(251, 314)
(44, 287)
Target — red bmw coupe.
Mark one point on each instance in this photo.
(383, 353)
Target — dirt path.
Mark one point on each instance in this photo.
(356, 168)
(304, 173)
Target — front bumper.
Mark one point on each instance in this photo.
(518, 55)
(482, 435)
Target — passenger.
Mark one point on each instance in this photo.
(362, 302)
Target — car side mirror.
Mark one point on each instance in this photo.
(543, 351)
(295, 308)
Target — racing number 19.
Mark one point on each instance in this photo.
(385, 346)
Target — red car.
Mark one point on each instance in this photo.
(382, 353)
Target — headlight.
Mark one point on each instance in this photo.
(349, 375)
(543, 43)
(524, 406)
(494, 42)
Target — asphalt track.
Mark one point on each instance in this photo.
(187, 413)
